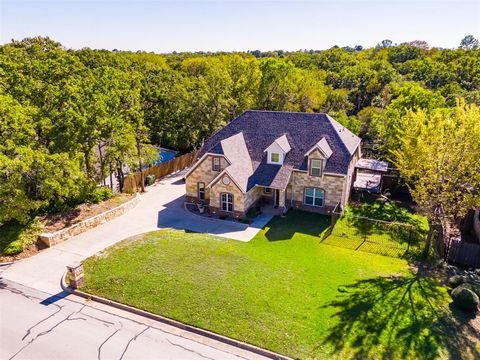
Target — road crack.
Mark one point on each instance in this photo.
(131, 340)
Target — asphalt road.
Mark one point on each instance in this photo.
(36, 325)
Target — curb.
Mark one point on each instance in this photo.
(171, 322)
(7, 263)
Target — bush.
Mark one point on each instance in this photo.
(150, 179)
(465, 299)
(99, 194)
(16, 237)
(456, 280)
(472, 287)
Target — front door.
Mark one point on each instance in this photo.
(276, 196)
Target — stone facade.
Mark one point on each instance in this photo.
(337, 189)
(238, 198)
(203, 172)
(332, 185)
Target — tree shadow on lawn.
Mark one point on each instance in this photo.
(296, 222)
(398, 318)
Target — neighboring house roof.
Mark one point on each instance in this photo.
(372, 164)
(254, 131)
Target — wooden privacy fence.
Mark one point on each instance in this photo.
(133, 181)
(463, 253)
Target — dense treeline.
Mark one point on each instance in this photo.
(70, 118)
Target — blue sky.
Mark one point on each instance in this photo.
(165, 26)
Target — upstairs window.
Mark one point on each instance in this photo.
(275, 157)
(316, 167)
(216, 164)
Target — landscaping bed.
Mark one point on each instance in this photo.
(19, 241)
(82, 212)
(285, 291)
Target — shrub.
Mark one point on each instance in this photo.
(472, 287)
(456, 280)
(465, 299)
(99, 194)
(16, 237)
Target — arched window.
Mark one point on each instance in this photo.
(226, 202)
(314, 197)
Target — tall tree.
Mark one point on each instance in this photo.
(438, 156)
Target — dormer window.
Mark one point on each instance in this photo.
(316, 166)
(275, 158)
(216, 164)
(277, 151)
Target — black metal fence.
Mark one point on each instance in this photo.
(374, 236)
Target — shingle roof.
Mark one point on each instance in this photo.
(241, 168)
(302, 131)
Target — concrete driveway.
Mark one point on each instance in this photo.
(37, 322)
(160, 207)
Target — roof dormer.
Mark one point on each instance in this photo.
(323, 147)
(277, 150)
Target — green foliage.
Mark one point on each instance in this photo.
(438, 156)
(456, 280)
(99, 194)
(69, 119)
(15, 237)
(465, 299)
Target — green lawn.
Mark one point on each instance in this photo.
(398, 233)
(285, 291)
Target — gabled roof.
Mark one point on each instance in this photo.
(323, 147)
(282, 142)
(301, 131)
(240, 168)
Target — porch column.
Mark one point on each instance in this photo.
(281, 201)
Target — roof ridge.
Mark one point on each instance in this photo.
(284, 112)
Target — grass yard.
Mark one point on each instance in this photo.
(398, 233)
(285, 291)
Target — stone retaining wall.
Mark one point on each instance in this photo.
(56, 237)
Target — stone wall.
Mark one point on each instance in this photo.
(252, 197)
(202, 173)
(54, 238)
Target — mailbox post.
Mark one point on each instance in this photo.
(75, 274)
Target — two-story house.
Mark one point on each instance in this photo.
(299, 160)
